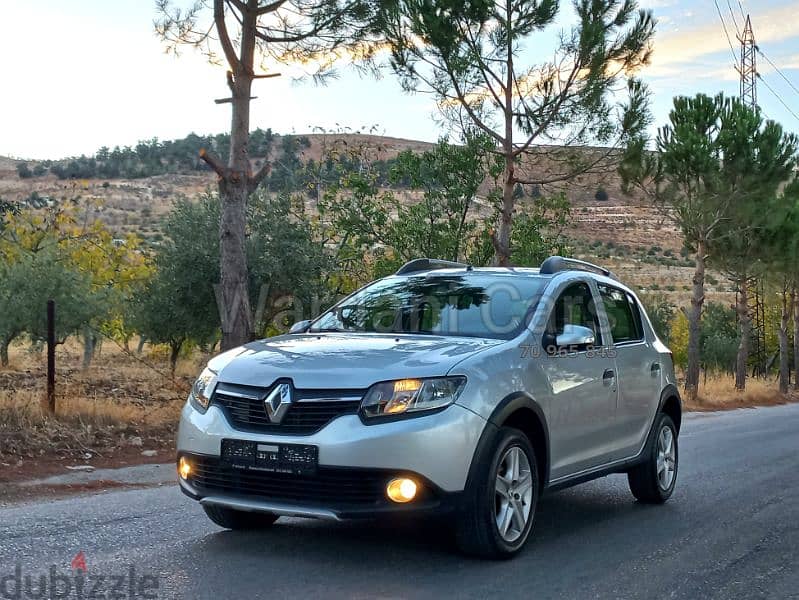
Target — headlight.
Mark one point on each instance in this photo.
(202, 389)
(411, 395)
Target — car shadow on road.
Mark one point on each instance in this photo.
(560, 515)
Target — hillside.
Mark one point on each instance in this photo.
(622, 232)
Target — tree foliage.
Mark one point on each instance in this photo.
(179, 304)
(493, 67)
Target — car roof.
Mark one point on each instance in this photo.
(531, 272)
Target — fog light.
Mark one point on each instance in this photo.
(184, 468)
(401, 490)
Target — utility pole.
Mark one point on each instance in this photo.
(748, 73)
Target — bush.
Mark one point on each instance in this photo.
(661, 313)
(718, 337)
(24, 171)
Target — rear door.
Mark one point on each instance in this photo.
(582, 387)
(638, 369)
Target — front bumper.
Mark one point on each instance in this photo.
(436, 449)
(332, 493)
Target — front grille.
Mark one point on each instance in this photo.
(330, 487)
(311, 411)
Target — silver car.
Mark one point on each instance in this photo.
(446, 389)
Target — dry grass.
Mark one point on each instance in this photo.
(718, 392)
(119, 402)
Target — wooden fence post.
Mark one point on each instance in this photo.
(51, 356)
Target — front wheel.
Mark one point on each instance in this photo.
(653, 480)
(229, 518)
(500, 504)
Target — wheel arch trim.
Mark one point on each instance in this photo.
(507, 407)
(669, 392)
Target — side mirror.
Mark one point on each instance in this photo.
(575, 335)
(300, 326)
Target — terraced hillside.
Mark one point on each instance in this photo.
(624, 232)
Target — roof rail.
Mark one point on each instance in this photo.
(556, 264)
(429, 264)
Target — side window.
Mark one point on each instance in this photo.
(575, 306)
(623, 314)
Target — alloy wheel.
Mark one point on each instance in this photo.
(666, 458)
(514, 494)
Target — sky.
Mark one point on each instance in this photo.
(80, 74)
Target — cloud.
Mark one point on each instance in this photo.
(681, 47)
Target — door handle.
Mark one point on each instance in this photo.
(608, 376)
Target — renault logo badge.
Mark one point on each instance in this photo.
(278, 402)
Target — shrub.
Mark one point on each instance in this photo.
(24, 171)
(661, 313)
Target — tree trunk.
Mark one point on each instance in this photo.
(502, 242)
(744, 330)
(502, 246)
(234, 188)
(89, 342)
(796, 338)
(4, 344)
(785, 317)
(694, 324)
(174, 352)
(233, 296)
(140, 345)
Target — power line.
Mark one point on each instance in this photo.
(743, 13)
(776, 95)
(732, 14)
(726, 33)
(777, 69)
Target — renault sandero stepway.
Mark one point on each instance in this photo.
(443, 389)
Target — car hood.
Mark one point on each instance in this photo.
(343, 360)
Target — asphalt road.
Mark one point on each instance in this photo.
(731, 530)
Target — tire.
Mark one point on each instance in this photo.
(650, 483)
(229, 518)
(477, 529)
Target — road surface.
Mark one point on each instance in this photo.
(731, 530)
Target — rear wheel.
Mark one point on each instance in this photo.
(238, 519)
(653, 481)
(500, 504)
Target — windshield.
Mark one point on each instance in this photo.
(470, 305)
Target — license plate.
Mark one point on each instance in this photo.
(295, 459)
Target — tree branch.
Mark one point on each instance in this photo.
(224, 36)
(213, 161)
(260, 175)
(271, 7)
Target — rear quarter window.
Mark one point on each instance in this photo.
(623, 314)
